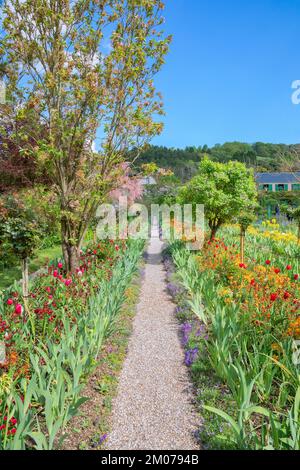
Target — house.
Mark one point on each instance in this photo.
(278, 181)
(147, 181)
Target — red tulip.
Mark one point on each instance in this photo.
(296, 277)
(289, 267)
(55, 273)
(18, 309)
(60, 265)
(268, 262)
(10, 302)
(273, 297)
(276, 270)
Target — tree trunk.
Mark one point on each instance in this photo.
(25, 277)
(242, 246)
(69, 250)
(299, 232)
(71, 257)
(213, 233)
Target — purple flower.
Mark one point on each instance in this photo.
(191, 356)
(202, 331)
(186, 329)
(179, 310)
(173, 289)
(100, 441)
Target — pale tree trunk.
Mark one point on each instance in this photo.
(242, 246)
(25, 286)
(25, 277)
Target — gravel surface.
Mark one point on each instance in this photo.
(153, 409)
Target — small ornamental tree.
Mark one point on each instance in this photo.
(21, 232)
(225, 190)
(245, 219)
(149, 169)
(295, 215)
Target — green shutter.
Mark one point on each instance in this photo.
(286, 187)
(265, 187)
(296, 187)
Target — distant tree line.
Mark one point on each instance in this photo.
(260, 156)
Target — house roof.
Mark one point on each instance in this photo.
(279, 178)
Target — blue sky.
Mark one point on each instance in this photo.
(229, 73)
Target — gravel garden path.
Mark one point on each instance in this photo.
(153, 409)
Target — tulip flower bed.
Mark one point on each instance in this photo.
(53, 339)
(266, 242)
(242, 319)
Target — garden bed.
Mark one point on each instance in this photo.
(89, 430)
(239, 323)
(53, 340)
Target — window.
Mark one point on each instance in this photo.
(265, 187)
(281, 187)
(296, 187)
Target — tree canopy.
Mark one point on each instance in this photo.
(225, 190)
(72, 69)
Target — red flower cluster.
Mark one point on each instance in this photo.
(10, 426)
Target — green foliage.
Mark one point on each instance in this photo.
(149, 169)
(19, 230)
(22, 236)
(225, 190)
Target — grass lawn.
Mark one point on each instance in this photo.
(9, 275)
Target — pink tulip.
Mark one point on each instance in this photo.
(60, 265)
(10, 302)
(55, 273)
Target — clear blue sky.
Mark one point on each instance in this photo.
(229, 73)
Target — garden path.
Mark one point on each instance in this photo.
(153, 409)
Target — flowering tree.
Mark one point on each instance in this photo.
(70, 77)
(129, 186)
